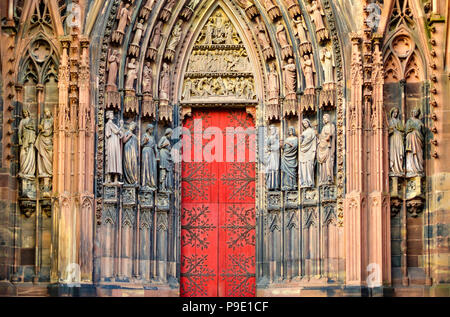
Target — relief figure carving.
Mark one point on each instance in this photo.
(396, 144)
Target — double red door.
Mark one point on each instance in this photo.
(218, 205)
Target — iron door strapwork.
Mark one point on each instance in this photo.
(218, 205)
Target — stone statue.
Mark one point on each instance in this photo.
(138, 33)
(156, 38)
(175, 36)
(164, 82)
(308, 71)
(396, 144)
(274, 85)
(317, 14)
(113, 66)
(326, 151)
(44, 147)
(130, 155)
(124, 17)
(131, 74)
(289, 161)
(281, 35)
(113, 151)
(166, 163)
(307, 154)
(27, 137)
(290, 77)
(273, 159)
(147, 80)
(414, 145)
(150, 156)
(301, 29)
(327, 63)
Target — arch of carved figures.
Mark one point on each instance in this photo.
(365, 209)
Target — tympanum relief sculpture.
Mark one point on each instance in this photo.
(219, 66)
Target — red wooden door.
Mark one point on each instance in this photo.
(218, 206)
